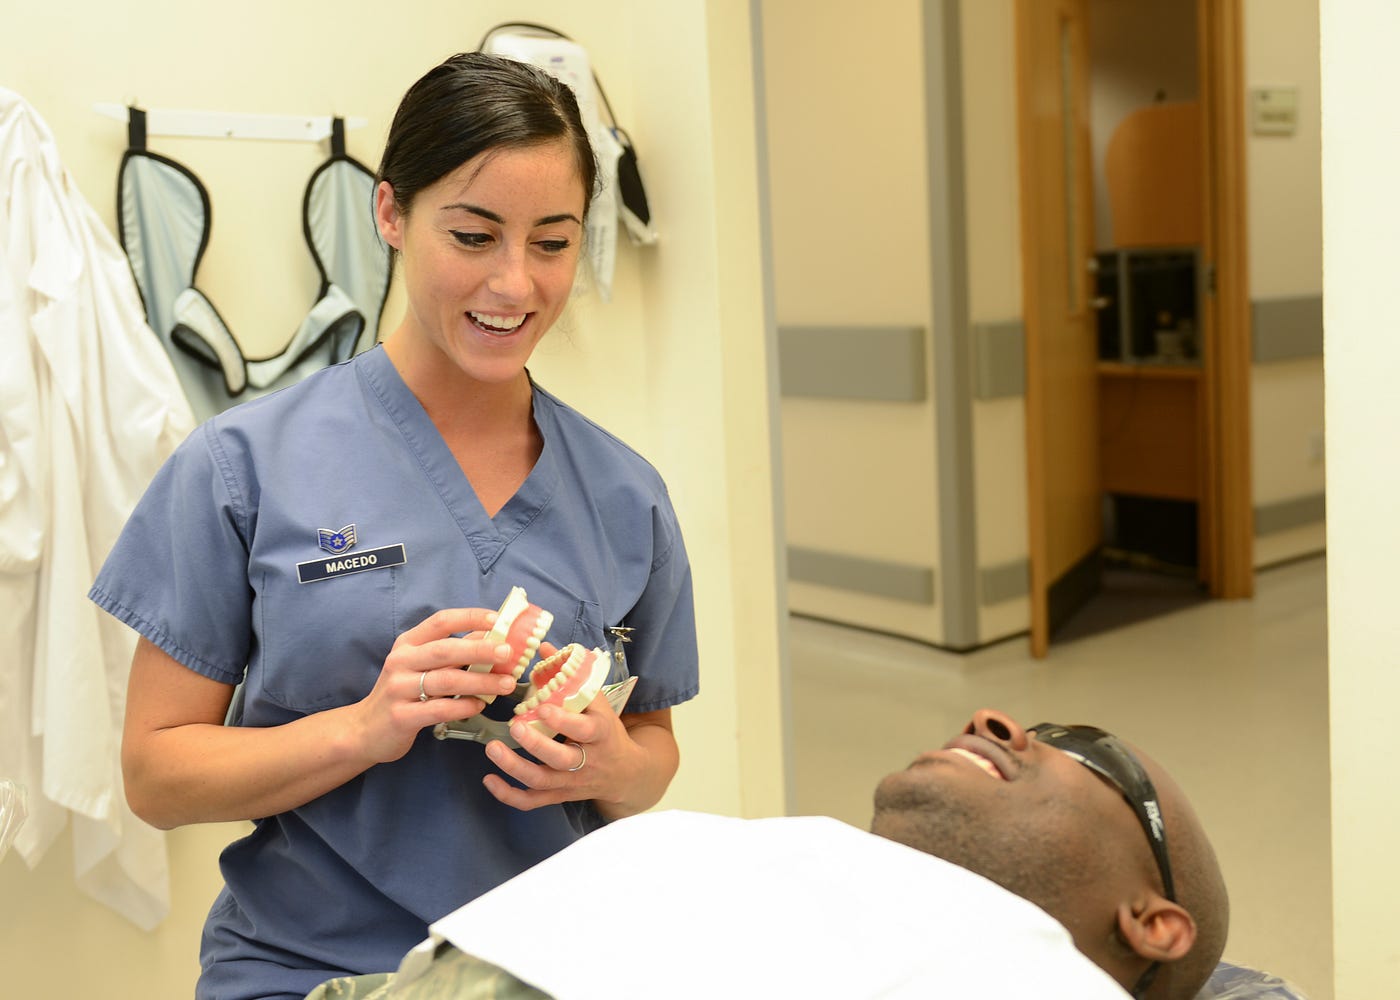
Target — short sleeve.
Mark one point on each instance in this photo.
(178, 573)
(663, 650)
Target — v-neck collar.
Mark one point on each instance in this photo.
(487, 536)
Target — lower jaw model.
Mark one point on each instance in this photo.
(570, 679)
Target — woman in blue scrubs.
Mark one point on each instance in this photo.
(332, 553)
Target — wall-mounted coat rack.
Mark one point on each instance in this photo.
(232, 125)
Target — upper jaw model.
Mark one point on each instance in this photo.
(570, 679)
(522, 625)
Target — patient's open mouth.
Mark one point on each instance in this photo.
(981, 762)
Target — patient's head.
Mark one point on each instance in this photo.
(1064, 816)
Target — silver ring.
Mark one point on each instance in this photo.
(422, 695)
(583, 757)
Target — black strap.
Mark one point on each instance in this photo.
(337, 136)
(136, 128)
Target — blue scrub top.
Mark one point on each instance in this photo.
(207, 569)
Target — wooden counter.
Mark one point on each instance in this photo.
(1150, 430)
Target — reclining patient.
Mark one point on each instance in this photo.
(1053, 859)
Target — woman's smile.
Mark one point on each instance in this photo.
(498, 326)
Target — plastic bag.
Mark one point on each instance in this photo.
(13, 811)
(1239, 982)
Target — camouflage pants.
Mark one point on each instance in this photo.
(453, 976)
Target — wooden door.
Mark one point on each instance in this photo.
(1227, 507)
(1061, 342)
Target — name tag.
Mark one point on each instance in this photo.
(314, 570)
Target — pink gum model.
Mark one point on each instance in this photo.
(522, 625)
(571, 678)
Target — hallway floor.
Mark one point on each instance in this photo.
(1230, 696)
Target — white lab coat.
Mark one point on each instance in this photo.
(89, 409)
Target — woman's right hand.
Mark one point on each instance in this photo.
(181, 764)
(422, 681)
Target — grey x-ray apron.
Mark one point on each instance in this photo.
(164, 219)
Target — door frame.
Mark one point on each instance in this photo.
(1228, 522)
(1226, 517)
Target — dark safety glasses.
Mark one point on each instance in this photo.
(1107, 756)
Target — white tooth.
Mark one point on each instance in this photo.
(980, 761)
(499, 322)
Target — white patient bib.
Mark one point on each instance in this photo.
(787, 907)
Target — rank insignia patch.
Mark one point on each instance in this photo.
(336, 542)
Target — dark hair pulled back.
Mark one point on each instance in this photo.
(472, 103)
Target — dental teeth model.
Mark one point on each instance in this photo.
(571, 678)
(522, 625)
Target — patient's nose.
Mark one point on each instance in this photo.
(998, 726)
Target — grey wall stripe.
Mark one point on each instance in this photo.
(1287, 329)
(865, 576)
(1006, 582)
(853, 362)
(775, 438)
(887, 362)
(900, 581)
(952, 355)
(1283, 515)
(1001, 359)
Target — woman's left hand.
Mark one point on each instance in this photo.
(624, 764)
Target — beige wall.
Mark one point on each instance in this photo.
(850, 245)
(1361, 236)
(1287, 410)
(676, 364)
(1285, 261)
(993, 204)
(1285, 181)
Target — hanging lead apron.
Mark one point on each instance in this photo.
(164, 222)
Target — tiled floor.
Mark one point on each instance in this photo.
(1230, 696)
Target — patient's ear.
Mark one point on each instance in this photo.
(1156, 928)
